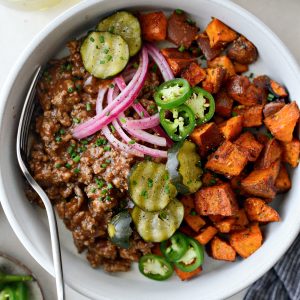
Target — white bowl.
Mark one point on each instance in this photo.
(219, 280)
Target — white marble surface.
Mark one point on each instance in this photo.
(17, 28)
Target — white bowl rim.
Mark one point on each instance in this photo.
(4, 93)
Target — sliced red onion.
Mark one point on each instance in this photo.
(88, 81)
(121, 103)
(161, 62)
(144, 123)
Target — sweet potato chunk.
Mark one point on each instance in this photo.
(290, 152)
(278, 89)
(154, 26)
(156, 250)
(216, 200)
(283, 181)
(214, 79)
(252, 115)
(249, 145)
(241, 220)
(188, 204)
(176, 59)
(194, 221)
(271, 152)
(232, 127)
(180, 32)
(258, 211)
(228, 160)
(243, 51)
(224, 62)
(206, 235)
(187, 275)
(208, 137)
(260, 183)
(209, 179)
(240, 68)
(194, 74)
(203, 42)
(282, 123)
(223, 104)
(247, 241)
(272, 108)
(219, 34)
(221, 250)
(225, 225)
(262, 81)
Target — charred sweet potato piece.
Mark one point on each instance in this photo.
(209, 179)
(216, 200)
(221, 250)
(203, 42)
(252, 115)
(154, 26)
(262, 81)
(214, 79)
(271, 152)
(260, 183)
(277, 89)
(232, 127)
(194, 221)
(237, 87)
(228, 160)
(258, 211)
(224, 62)
(225, 225)
(194, 74)
(176, 59)
(179, 31)
(217, 119)
(240, 68)
(187, 230)
(282, 123)
(216, 218)
(249, 145)
(235, 183)
(272, 108)
(208, 137)
(243, 51)
(206, 235)
(247, 241)
(188, 204)
(241, 220)
(219, 34)
(283, 181)
(187, 275)
(223, 104)
(290, 152)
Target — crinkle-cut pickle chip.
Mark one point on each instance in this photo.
(158, 226)
(104, 54)
(126, 25)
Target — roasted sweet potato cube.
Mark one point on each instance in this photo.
(224, 62)
(203, 42)
(209, 179)
(262, 81)
(156, 249)
(194, 221)
(235, 183)
(187, 275)
(216, 218)
(247, 241)
(252, 115)
(271, 152)
(290, 152)
(219, 34)
(227, 160)
(208, 137)
(243, 51)
(278, 89)
(241, 219)
(154, 26)
(194, 74)
(258, 211)
(260, 183)
(214, 79)
(272, 108)
(283, 181)
(216, 200)
(187, 230)
(223, 104)
(221, 250)
(240, 68)
(206, 235)
(249, 145)
(225, 225)
(188, 204)
(232, 127)
(282, 123)
(217, 119)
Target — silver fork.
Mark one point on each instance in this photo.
(23, 154)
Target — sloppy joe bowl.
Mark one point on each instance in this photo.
(218, 279)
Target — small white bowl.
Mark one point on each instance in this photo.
(218, 280)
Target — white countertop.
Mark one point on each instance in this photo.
(18, 27)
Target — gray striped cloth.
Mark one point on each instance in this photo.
(282, 282)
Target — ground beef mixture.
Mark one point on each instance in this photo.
(86, 180)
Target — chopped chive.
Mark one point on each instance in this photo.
(190, 21)
(104, 191)
(131, 142)
(93, 190)
(69, 67)
(76, 120)
(106, 148)
(106, 50)
(58, 139)
(111, 29)
(163, 215)
(109, 57)
(101, 39)
(144, 193)
(62, 131)
(111, 85)
(181, 48)
(107, 198)
(88, 106)
(76, 158)
(70, 90)
(92, 39)
(109, 186)
(101, 141)
(100, 183)
(269, 135)
(70, 149)
(68, 166)
(57, 166)
(167, 189)
(112, 128)
(108, 113)
(123, 120)
(193, 213)
(102, 62)
(142, 114)
(154, 68)
(135, 65)
(270, 97)
(103, 166)
(212, 181)
(84, 142)
(166, 177)
(108, 161)
(76, 170)
(234, 114)
(178, 11)
(78, 87)
(150, 182)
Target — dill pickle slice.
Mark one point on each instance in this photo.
(158, 226)
(126, 25)
(104, 54)
(150, 187)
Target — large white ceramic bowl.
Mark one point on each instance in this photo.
(219, 280)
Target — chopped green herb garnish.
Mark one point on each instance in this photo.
(101, 141)
(108, 161)
(166, 177)
(144, 193)
(104, 191)
(70, 149)
(154, 68)
(101, 39)
(190, 21)
(76, 158)
(93, 190)
(92, 39)
(150, 182)
(106, 148)
(142, 114)
(100, 183)
(181, 48)
(68, 166)
(123, 120)
(179, 11)
(111, 29)
(112, 128)
(88, 106)
(76, 120)
(135, 65)
(109, 186)
(84, 142)
(111, 85)
(70, 90)
(163, 215)
(58, 139)
(107, 198)
(193, 213)
(57, 166)
(78, 87)
(270, 97)
(131, 142)
(269, 135)
(69, 67)
(76, 170)
(102, 62)
(106, 50)
(62, 131)
(109, 57)
(212, 181)
(234, 114)
(167, 189)
(103, 166)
